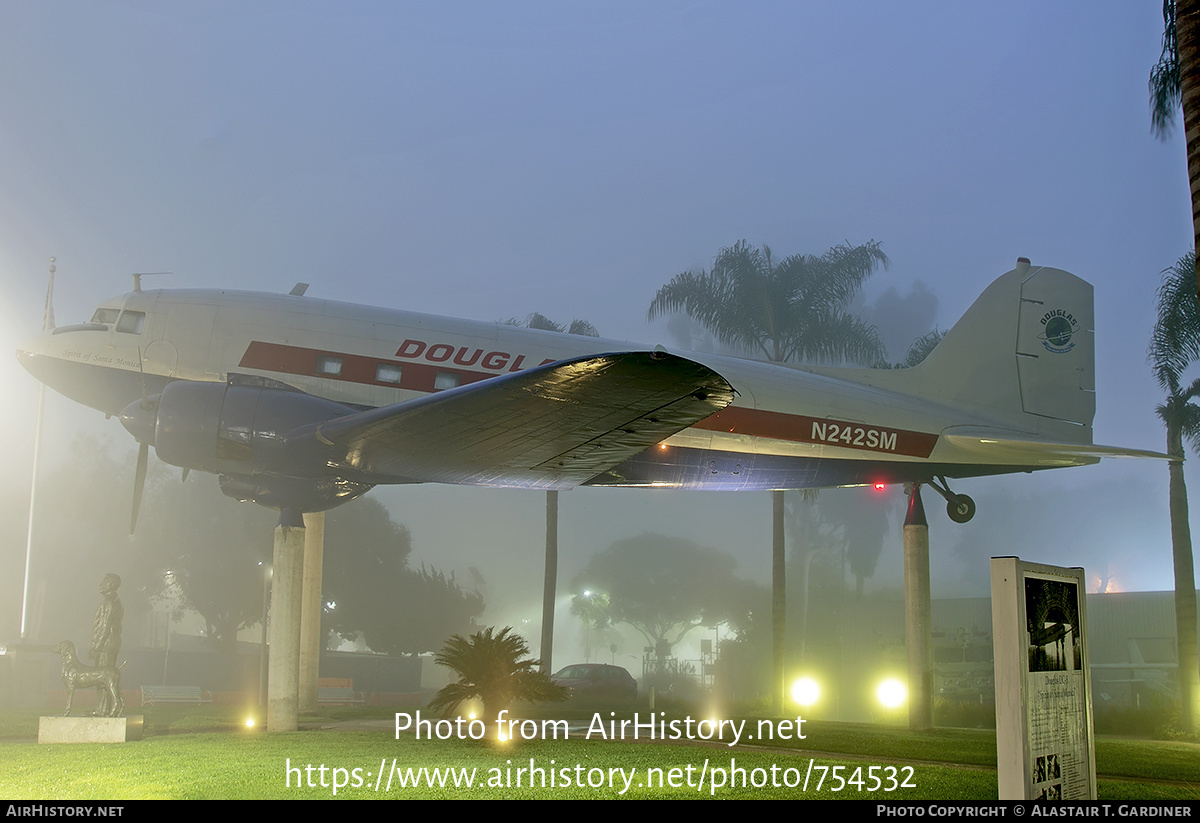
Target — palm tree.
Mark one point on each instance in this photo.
(1175, 345)
(787, 311)
(1175, 82)
(496, 668)
(791, 311)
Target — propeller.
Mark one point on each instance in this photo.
(139, 483)
(139, 419)
(141, 425)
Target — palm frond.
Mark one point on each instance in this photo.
(1175, 340)
(537, 320)
(793, 309)
(493, 666)
(582, 327)
(1166, 90)
(921, 347)
(836, 338)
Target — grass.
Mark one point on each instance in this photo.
(208, 753)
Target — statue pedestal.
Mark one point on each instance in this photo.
(89, 729)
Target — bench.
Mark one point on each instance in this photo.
(339, 696)
(174, 694)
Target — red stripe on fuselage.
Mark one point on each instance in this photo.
(798, 428)
(356, 368)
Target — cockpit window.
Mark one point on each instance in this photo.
(105, 316)
(131, 322)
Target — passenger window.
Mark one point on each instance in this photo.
(387, 373)
(330, 366)
(131, 322)
(446, 380)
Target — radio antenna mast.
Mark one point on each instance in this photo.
(137, 278)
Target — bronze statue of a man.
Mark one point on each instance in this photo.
(106, 634)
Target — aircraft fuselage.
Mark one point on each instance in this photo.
(972, 409)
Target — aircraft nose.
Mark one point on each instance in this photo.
(35, 352)
(32, 361)
(140, 418)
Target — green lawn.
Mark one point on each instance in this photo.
(205, 754)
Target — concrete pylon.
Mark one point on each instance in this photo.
(918, 630)
(310, 611)
(284, 668)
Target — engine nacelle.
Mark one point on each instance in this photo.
(238, 430)
(231, 428)
(235, 429)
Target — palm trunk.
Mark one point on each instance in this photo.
(803, 553)
(1185, 587)
(1187, 33)
(778, 604)
(550, 583)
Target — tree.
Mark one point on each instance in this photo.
(664, 587)
(496, 668)
(795, 310)
(1174, 346)
(791, 311)
(213, 550)
(1175, 82)
(373, 591)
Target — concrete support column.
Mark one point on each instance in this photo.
(284, 668)
(917, 614)
(310, 611)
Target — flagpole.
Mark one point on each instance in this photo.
(47, 325)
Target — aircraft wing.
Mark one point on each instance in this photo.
(550, 427)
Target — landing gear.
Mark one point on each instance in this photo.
(959, 507)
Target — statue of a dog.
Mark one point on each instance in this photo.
(76, 675)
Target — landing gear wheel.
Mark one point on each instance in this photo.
(960, 508)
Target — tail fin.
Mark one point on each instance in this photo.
(1026, 344)
(1024, 350)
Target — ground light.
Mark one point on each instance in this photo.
(806, 691)
(891, 693)
(714, 719)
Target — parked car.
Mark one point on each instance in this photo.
(597, 681)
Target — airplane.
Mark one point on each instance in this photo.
(302, 404)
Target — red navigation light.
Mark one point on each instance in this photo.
(880, 487)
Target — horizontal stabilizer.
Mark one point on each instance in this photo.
(990, 446)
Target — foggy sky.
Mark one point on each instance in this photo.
(486, 160)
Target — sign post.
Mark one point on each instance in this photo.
(1044, 741)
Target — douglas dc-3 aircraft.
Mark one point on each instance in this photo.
(302, 404)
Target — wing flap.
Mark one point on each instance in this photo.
(551, 427)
